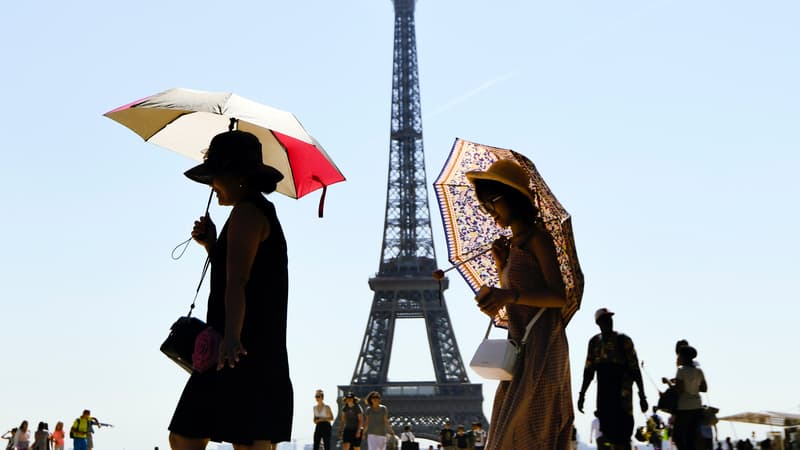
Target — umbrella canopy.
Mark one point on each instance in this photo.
(184, 121)
(776, 419)
(469, 232)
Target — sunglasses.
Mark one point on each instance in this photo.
(487, 206)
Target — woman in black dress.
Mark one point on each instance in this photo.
(247, 398)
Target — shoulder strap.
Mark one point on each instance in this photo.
(527, 328)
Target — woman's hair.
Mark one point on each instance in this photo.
(519, 202)
(687, 353)
(59, 425)
(41, 426)
(262, 185)
(372, 394)
(23, 426)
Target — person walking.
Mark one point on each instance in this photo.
(58, 436)
(534, 409)
(613, 357)
(247, 400)
(41, 438)
(377, 422)
(9, 436)
(446, 437)
(407, 439)
(351, 428)
(323, 416)
(80, 430)
(689, 381)
(22, 437)
(478, 436)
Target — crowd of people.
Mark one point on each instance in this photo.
(81, 432)
(370, 425)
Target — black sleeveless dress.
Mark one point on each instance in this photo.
(252, 401)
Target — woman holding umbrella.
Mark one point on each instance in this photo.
(534, 409)
(246, 399)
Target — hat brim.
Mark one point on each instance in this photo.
(204, 173)
(489, 176)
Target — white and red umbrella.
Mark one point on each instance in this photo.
(184, 121)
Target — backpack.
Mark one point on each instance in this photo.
(72, 433)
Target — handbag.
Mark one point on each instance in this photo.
(182, 339)
(668, 400)
(495, 359)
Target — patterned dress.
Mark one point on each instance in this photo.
(534, 409)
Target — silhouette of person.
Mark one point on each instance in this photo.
(613, 357)
(247, 400)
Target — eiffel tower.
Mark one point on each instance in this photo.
(404, 286)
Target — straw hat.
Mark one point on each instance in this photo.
(234, 152)
(508, 173)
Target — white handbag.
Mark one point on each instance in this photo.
(495, 359)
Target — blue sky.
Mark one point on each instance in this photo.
(667, 129)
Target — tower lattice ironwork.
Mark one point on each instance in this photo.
(404, 287)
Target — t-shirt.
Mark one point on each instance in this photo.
(462, 440)
(376, 424)
(81, 427)
(350, 414)
(478, 437)
(446, 437)
(692, 377)
(58, 436)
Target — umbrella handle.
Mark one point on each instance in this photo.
(439, 273)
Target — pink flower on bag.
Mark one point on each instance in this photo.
(206, 350)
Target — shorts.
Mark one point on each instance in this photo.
(349, 437)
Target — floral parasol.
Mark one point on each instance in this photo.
(470, 233)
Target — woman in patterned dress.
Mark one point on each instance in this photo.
(534, 409)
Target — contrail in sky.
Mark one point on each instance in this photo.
(469, 94)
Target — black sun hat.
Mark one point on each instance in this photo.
(234, 152)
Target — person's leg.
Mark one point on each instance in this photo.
(317, 438)
(326, 435)
(178, 442)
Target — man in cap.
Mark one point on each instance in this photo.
(612, 356)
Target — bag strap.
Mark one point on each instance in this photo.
(527, 328)
(205, 265)
(197, 292)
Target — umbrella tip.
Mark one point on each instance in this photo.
(234, 124)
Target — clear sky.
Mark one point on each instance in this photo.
(668, 129)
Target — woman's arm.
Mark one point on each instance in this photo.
(247, 227)
(491, 299)
(330, 413)
(386, 421)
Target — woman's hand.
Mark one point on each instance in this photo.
(500, 249)
(230, 350)
(490, 299)
(205, 232)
